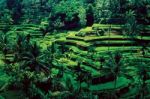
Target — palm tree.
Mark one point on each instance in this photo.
(131, 28)
(79, 78)
(34, 59)
(22, 45)
(48, 56)
(143, 76)
(53, 48)
(63, 48)
(116, 60)
(82, 76)
(28, 38)
(4, 45)
(61, 72)
(101, 60)
(115, 66)
(91, 51)
(144, 48)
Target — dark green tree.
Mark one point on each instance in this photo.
(15, 6)
(34, 60)
(90, 15)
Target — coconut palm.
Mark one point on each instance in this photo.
(116, 62)
(91, 51)
(144, 49)
(22, 45)
(34, 59)
(48, 56)
(63, 48)
(115, 66)
(82, 76)
(4, 45)
(131, 28)
(53, 48)
(101, 60)
(143, 76)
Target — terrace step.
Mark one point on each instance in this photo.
(82, 45)
(71, 64)
(91, 70)
(4, 25)
(105, 27)
(31, 29)
(121, 83)
(146, 33)
(103, 79)
(102, 51)
(108, 38)
(120, 48)
(103, 38)
(26, 28)
(9, 55)
(114, 44)
(86, 61)
(75, 38)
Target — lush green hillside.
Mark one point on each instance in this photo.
(74, 49)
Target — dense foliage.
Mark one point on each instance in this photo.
(105, 54)
(73, 13)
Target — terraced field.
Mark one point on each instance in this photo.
(88, 47)
(74, 49)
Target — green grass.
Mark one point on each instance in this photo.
(1, 62)
(103, 37)
(98, 49)
(144, 38)
(46, 41)
(76, 43)
(113, 42)
(91, 70)
(103, 26)
(66, 62)
(87, 29)
(86, 60)
(147, 27)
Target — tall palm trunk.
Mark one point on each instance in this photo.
(115, 84)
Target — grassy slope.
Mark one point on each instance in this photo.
(48, 39)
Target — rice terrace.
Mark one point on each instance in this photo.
(74, 49)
